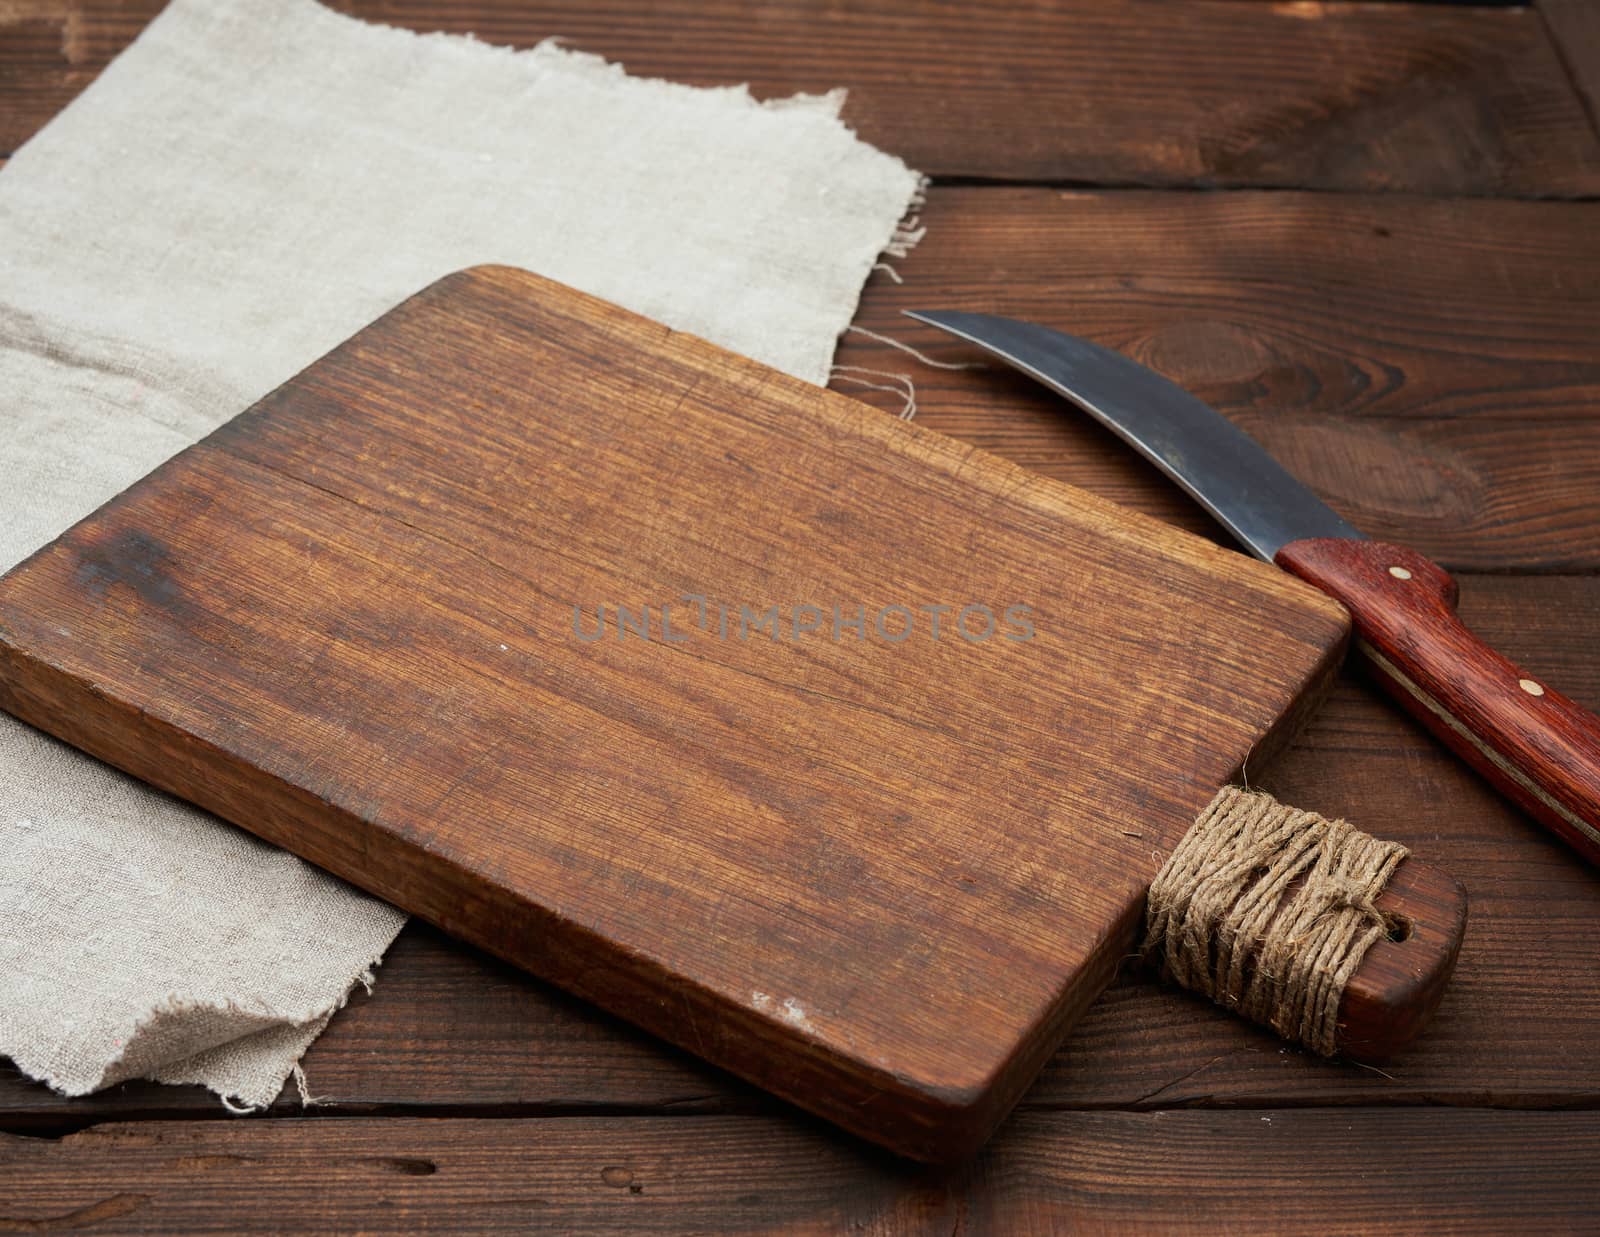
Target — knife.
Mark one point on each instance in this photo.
(1537, 747)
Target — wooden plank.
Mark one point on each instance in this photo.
(1368, 1171)
(346, 621)
(1430, 367)
(1574, 27)
(43, 65)
(1417, 98)
(450, 1030)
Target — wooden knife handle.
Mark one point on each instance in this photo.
(1537, 747)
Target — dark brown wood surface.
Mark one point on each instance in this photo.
(1414, 97)
(1312, 1172)
(1574, 27)
(1430, 363)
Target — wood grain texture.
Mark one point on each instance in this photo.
(1372, 1171)
(348, 621)
(1536, 746)
(1489, 464)
(1419, 98)
(1396, 989)
(452, 1031)
(1430, 368)
(1514, 1029)
(1574, 27)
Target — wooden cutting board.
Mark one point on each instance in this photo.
(877, 873)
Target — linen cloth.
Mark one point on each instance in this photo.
(246, 186)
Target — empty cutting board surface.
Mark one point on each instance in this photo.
(877, 875)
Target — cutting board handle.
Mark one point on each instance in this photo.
(1333, 938)
(1400, 980)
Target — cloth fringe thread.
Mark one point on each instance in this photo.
(1223, 920)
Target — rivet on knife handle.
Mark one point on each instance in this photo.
(1537, 747)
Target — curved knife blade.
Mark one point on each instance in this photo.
(1221, 466)
(1536, 746)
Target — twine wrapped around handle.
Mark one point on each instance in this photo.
(1218, 920)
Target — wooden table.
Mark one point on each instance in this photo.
(1369, 233)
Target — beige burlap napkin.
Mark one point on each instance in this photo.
(247, 185)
